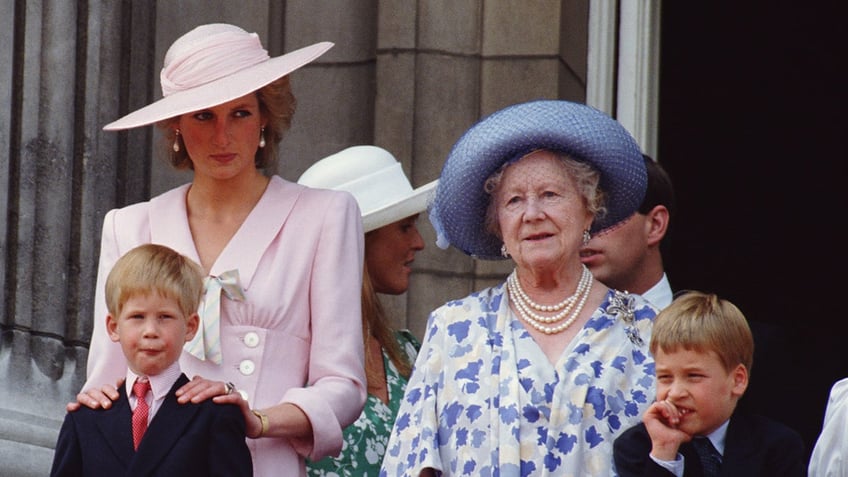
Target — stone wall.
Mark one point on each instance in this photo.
(408, 76)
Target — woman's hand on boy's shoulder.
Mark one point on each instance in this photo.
(96, 398)
(200, 389)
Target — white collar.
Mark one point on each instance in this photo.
(660, 295)
(160, 384)
(718, 437)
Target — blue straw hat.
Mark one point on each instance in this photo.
(458, 212)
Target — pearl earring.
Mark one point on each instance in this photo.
(262, 138)
(177, 140)
(504, 252)
(586, 237)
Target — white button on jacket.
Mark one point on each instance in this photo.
(247, 367)
(251, 339)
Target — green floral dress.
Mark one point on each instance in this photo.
(366, 439)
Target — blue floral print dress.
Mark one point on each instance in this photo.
(364, 441)
(484, 400)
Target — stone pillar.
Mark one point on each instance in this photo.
(64, 71)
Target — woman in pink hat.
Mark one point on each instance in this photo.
(281, 309)
(390, 209)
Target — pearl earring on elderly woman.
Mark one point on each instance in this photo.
(504, 251)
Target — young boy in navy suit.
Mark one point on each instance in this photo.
(703, 350)
(152, 296)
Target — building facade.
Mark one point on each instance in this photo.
(409, 76)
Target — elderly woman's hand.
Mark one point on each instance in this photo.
(96, 398)
(200, 389)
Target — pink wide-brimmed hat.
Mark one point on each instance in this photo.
(213, 64)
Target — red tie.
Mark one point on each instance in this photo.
(139, 418)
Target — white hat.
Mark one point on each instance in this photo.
(376, 180)
(211, 65)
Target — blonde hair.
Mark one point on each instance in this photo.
(704, 322)
(152, 268)
(584, 175)
(277, 105)
(375, 323)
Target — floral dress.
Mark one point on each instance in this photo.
(366, 439)
(485, 401)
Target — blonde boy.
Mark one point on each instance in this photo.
(152, 295)
(703, 350)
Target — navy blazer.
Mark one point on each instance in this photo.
(754, 446)
(204, 439)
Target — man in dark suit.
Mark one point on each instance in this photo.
(703, 348)
(153, 294)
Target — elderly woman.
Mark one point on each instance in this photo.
(281, 310)
(538, 375)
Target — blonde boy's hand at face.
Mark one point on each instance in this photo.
(662, 420)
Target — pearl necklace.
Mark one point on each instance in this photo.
(525, 305)
(585, 279)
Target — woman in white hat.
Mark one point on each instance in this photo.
(280, 316)
(390, 209)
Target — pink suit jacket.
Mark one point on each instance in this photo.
(297, 337)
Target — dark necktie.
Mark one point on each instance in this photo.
(710, 458)
(139, 417)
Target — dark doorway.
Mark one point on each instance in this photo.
(753, 131)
